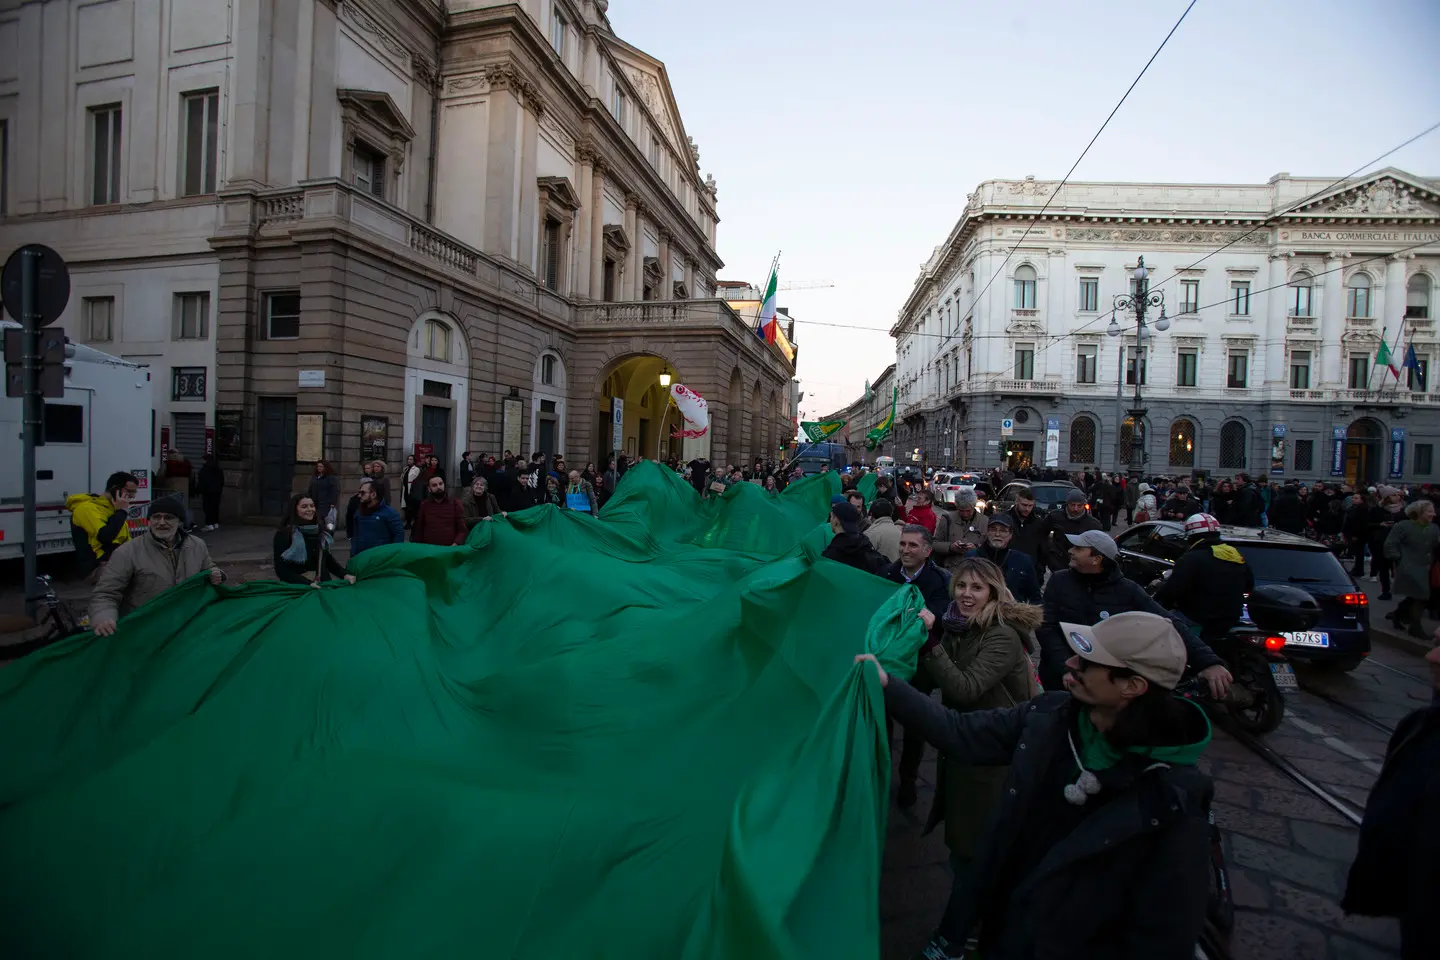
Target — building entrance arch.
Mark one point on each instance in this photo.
(640, 382)
(1364, 451)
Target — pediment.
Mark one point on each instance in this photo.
(1025, 328)
(561, 192)
(377, 107)
(648, 78)
(1386, 193)
(616, 237)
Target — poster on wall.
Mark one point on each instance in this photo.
(1277, 449)
(617, 424)
(1052, 442)
(227, 434)
(1337, 454)
(1397, 452)
(136, 519)
(511, 412)
(309, 437)
(374, 438)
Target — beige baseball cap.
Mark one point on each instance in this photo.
(1146, 643)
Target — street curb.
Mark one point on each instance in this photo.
(1399, 641)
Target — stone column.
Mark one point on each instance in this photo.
(667, 288)
(637, 254)
(632, 257)
(1391, 309)
(690, 278)
(580, 256)
(1057, 283)
(1332, 321)
(1276, 305)
(597, 233)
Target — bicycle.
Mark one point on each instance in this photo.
(56, 616)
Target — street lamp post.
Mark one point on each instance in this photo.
(1140, 300)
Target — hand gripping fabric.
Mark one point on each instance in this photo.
(637, 736)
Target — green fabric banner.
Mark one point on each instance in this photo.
(817, 430)
(641, 735)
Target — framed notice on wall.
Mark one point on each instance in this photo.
(513, 411)
(227, 434)
(309, 437)
(374, 438)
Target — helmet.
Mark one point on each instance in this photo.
(1199, 524)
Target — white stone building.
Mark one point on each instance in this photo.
(1268, 365)
(344, 228)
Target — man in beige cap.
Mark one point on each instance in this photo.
(1100, 845)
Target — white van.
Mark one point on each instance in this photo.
(102, 425)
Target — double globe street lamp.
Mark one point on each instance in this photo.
(1140, 299)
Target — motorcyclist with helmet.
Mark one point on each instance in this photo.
(1209, 582)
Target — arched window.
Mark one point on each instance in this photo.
(1024, 287)
(1182, 443)
(1417, 298)
(1082, 440)
(1232, 445)
(1301, 289)
(1357, 296)
(433, 338)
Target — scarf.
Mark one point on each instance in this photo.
(297, 552)
(954, 620)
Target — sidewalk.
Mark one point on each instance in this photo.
(1381, 630)
(241, 543)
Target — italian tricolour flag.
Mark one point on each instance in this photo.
(1384, 358)
(767, 327)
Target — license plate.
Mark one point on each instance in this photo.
(1284, 675)
(1307, 638)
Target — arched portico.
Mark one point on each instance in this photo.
(639, 384)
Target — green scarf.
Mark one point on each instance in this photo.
(1097, 753)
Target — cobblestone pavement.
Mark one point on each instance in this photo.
(1288, 852)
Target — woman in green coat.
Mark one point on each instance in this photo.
(1411, 547)
(981, 662)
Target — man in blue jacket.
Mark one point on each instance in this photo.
(376, 522)
(1019, 568)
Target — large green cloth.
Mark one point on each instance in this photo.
(637, 736)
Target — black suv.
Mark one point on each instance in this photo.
(1342, 637)
(1049, 495)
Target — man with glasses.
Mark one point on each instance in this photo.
(145, 567)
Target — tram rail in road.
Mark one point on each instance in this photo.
(1290, 770)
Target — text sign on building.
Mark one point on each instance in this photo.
(312, 378)
(187, 383)
(1052, 442)
(617, 422)
(1277, 448)
(1337, 459)
(1397, 452)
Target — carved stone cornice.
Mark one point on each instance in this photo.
(586, 151)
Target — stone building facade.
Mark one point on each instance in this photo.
(355, 227)
(1278, 296)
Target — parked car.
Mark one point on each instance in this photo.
(946, 484)
(1049, 494)
(1340, 640)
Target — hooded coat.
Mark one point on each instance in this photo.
(96, 526)
(979, 668)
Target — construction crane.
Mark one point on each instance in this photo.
(807, 285)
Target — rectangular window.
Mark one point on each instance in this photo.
(1130, 354)
(437, 341)
(655, 152)
(1357, 300)
(1424, 458)
(282, 316)
(369, 171)
(1300, 306)
(1189, 296)
(187, 383)
(557, 33)
(1240, 298)
(617, 104)
(192, 316)
(547, 370)
(1299, 369)
(1360, 372)
(1089, 294)
(1186, 367)
(1025, 361)
(1418, 377)
(64, 423)
(199, 142)
(105, 154)
(1304, 455)
(550, 254)
(99, 316)
(1238, 369)
(1085, 363)
(1024, 294)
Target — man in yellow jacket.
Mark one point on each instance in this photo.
(98, 521)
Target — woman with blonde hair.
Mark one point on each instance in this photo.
(981, 662)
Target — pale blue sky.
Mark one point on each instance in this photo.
(848, 133)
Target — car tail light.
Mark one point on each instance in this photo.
(1274, 643)
(1355, 600)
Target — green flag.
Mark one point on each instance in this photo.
(815, 431)
(882, 429)
(637, 735)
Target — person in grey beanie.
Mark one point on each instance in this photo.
(956, 534)
(143, 568)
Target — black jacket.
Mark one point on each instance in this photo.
(211, 480)
(467, 474)
(1026, 537)
(933, 582)
(1397, 866)
(1128, 882)
(1246, 507)
(1073, 598)
(1208, 590)
(1356, 525)
(1054, 547)
(1287, 513)
(856, 550)
(1019, 571)
(1179, 508)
